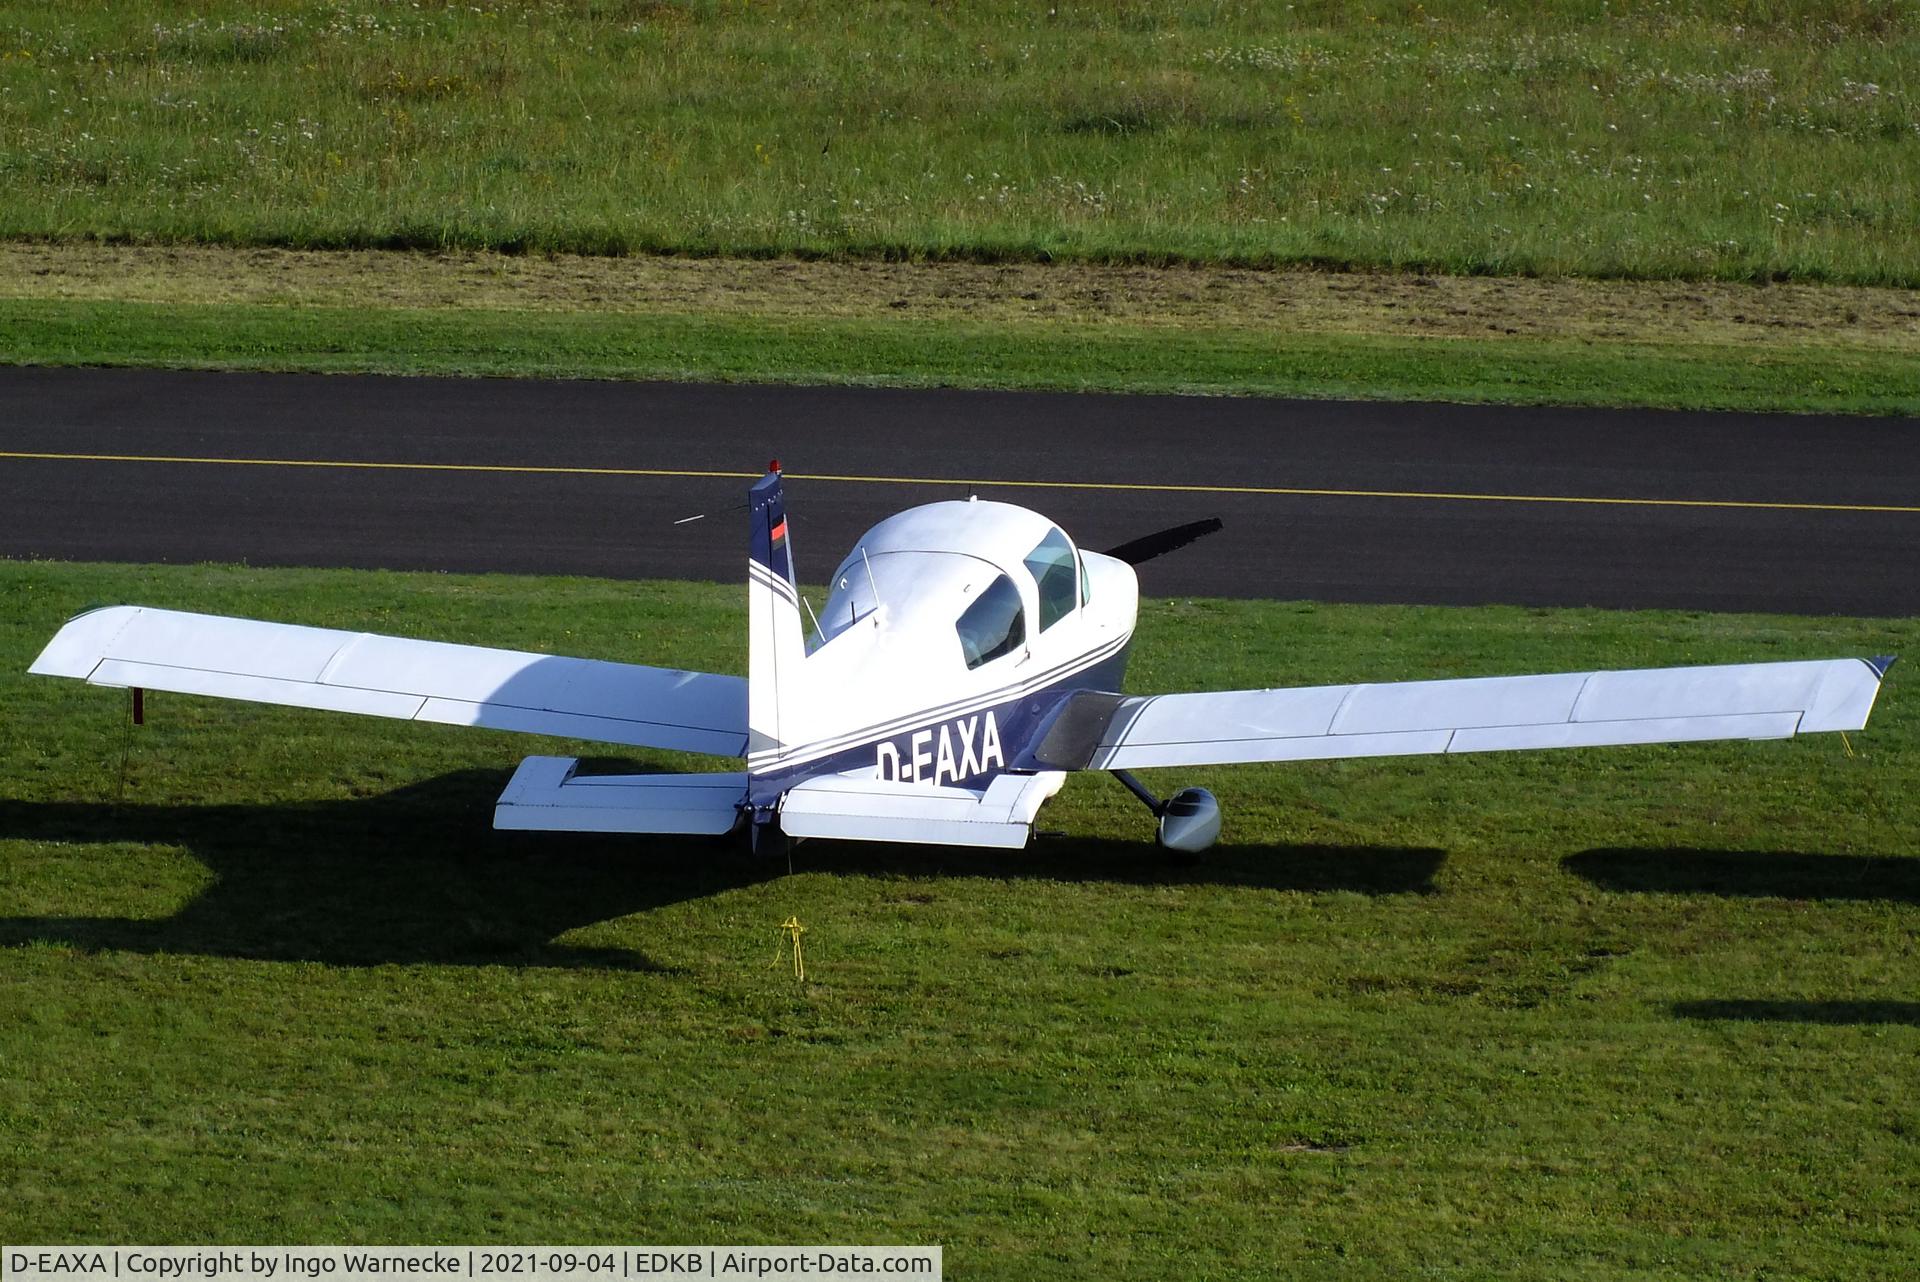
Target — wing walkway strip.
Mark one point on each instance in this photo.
(1288, 491)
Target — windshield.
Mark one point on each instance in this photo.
(1053, 569)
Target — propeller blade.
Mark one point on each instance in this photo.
(1149, 546)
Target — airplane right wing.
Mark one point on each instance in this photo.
(1099, 731)
(462, 685)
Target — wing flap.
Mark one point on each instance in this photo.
(1215, 752)
(1480, 714)
(305, 667)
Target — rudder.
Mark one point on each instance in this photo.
(776, 635)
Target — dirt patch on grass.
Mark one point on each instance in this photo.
(1185, 298)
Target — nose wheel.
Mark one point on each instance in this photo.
(1189, 819)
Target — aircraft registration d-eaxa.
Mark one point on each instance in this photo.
(968, 657)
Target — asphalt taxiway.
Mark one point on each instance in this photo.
(1363, 501)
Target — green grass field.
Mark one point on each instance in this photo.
(267, 975)
(1734, 139)
(1717, 148)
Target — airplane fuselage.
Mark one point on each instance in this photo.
(949, 636)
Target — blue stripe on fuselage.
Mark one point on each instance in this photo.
(771, 759)
(978, 746)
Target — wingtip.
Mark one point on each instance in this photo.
(77, 648)
(1881, 664)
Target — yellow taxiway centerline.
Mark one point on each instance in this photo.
(1288, 491)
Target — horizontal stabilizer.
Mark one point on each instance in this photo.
(1484, 714)
(858, 807)
(381, 676)
(545, 795)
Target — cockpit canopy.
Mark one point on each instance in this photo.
(1014, 574)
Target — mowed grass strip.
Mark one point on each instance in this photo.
(944, 352)
(268, 974)
(1722, 140)
(1287, 302)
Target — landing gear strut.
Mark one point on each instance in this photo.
(1189, 819)
(766, 838)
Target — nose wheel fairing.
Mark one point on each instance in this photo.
(1189, 821)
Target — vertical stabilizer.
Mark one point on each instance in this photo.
(776, 637)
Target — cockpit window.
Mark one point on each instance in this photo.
(1053, 569)
(993, 625)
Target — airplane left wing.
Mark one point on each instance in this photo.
(381, 676)
(1487, 714)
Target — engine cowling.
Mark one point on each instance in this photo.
(1190, 821)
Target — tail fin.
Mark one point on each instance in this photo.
(776, 636)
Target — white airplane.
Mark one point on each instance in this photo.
(968, 657)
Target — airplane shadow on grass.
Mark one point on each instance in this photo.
(1777, 1010)
(416, 875)
(1759, 873)
(1751, 873)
